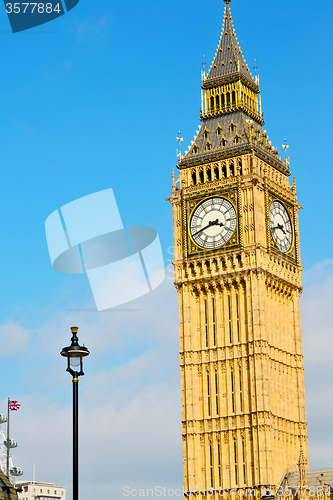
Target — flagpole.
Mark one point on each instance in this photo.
(34, 481)
(8, 440)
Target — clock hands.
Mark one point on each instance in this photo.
(210, 224)
(279, 226)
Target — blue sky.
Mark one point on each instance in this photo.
(94, 100)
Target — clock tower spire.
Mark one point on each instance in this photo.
(238, 277)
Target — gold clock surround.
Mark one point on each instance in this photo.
(192, 204)
(292, 253)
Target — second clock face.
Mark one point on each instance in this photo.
(213, 223)
(281, 228)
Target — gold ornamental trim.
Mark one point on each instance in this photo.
(270, 198)
(192, 249)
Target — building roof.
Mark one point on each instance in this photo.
(314, 478)
(23, 482)
(228, 56)
(230, 135)
(7, 489)
(28, 481)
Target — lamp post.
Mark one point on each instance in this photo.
(75, 354)
(268, 496)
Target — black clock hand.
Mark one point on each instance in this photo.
(279, 226)
(211, 223)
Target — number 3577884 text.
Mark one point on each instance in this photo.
(32, 8)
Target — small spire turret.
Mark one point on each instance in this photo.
(302, 468)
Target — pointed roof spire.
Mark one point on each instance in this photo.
(302, 465)
(229, 58)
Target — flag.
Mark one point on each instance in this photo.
(14, 405)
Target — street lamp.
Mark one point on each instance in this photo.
(268, 496)
(75, 354)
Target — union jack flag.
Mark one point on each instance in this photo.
(14, 405)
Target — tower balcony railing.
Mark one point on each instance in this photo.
(231, 108)
(211, 154)
(230, 78)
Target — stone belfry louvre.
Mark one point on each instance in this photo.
(238, 277)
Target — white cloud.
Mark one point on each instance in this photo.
(130, 421)
(14, 339)
(317, 332)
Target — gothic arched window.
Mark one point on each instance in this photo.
(201, 177)
(228, 99)
(222, 101)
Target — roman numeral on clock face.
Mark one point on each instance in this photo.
(281, 228)
(213, 223)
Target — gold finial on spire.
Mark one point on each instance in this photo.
(255, 67)
(203, 63)
(179, 139)
(227, 1)
(203, 73)
(285, 147)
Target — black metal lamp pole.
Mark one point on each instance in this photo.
(75, 439)
(268, 496)
(75, 354)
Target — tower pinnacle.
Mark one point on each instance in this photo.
(229, 61)
(230, 109)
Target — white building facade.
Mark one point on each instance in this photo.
(40, 491)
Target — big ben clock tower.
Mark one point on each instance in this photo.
(238, 277)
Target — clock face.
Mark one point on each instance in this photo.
(281, 227)
(213, 223)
